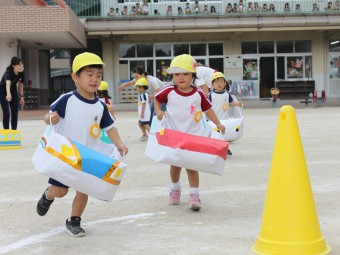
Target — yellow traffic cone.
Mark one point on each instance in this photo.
(290, 223)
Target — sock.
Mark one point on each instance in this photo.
(176, 186)
(194, 190)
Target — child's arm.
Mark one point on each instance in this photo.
(143, 110)
(51, 117)
(212, 116)
(238, 103)
(117, 141)
(158, 110)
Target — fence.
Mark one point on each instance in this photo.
(101, 8)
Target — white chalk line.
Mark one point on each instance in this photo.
(40, 237)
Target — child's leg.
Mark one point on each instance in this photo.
(142, 128)
(79, 204)
(193, 178)
(194, 200)
(175, 173)
(147, 127)
(48, 197)
(53, 191)
(78, 207)
(175, 191)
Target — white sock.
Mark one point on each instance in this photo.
(176, 186)
(194, 190)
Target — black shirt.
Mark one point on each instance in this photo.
(15, 79)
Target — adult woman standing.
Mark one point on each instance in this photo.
(11, 83)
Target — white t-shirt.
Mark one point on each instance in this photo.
(184, 110)
(203, 76)
(220, 103)
(144, 99)
(81, 119)
(154, 83)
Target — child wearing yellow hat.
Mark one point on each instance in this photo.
(104, 96)
(79, 115)
(185, 104)
(144, 112)
(220, 98)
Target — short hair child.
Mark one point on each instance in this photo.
(75, 116)
(220, 98)
(144, 112)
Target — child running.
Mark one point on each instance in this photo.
(220, 98)
(104, 96)
(144, 112)
(79, 115)
(183, 100)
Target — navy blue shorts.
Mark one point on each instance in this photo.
(56, 183)
(143, 123)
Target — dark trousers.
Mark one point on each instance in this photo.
(9, 109)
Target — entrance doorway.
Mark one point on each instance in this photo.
(267, 76)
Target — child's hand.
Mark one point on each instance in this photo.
(54, 118)
(221, 128)
(160, 115)
(240, 103)
(123, 150)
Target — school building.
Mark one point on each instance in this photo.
(297, 51)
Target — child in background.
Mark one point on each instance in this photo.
(187, 8)
(183, 101)
(104, 96)
(220, 98)
(79, 115)
(144, 112)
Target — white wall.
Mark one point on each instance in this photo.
(6, 54)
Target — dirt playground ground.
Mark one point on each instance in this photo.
(139, 220)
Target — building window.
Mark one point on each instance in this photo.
(334, 70)
(198, 49)
(217, 64)
(156, 58)
(249, 47)
(295, 68)
(161, 69)
(163, 50)
(62, 54)
(215, 49)
(180, 49)
(334, 46)
(144, 50)
(266, 47)
(303, 46)
(127, 51)
(250, 70)
(280, 68)
(284, 46)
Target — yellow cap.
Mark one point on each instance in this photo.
(103, 85)
(182, 64)
(141, 82)
(85, 59)
(216, 75)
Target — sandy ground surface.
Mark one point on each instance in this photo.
(139, 220)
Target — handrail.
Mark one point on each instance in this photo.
(160, 8)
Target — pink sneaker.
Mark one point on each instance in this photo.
(194, 202)
(174, 196)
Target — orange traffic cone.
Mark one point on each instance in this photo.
(290, 223)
